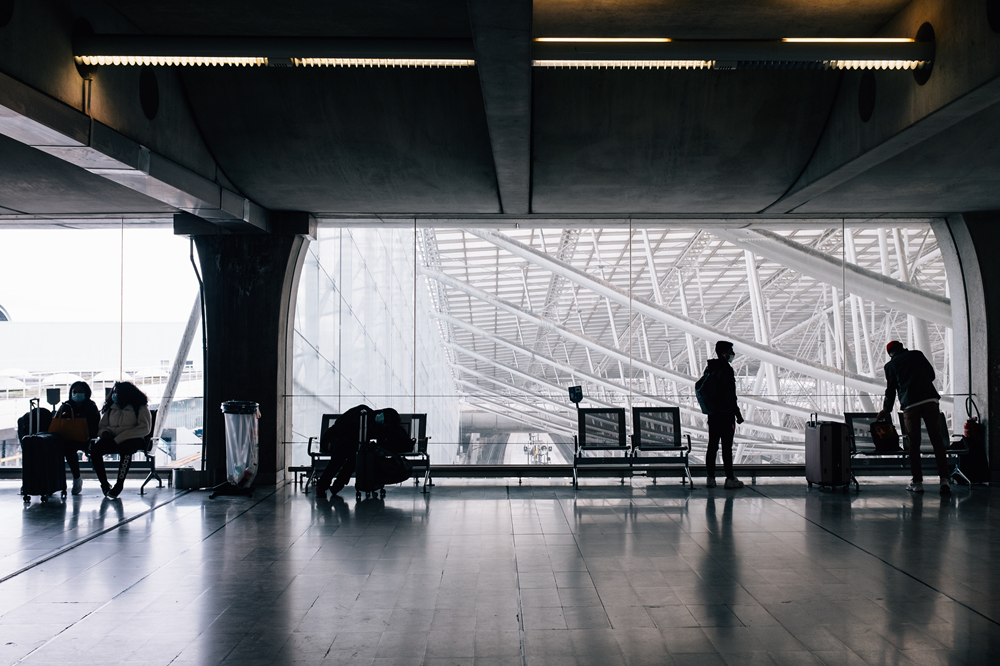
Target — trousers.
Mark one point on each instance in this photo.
(930, 412)
(721, 429)
(103, 446)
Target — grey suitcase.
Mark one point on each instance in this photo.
(828, 454)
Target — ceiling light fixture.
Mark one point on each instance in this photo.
(888, 53)
(162, 50)
(612, 40)
(382, 62)
(849, 40)
(625, 64)
(181, 61)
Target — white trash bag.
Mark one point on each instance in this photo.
(241, 441)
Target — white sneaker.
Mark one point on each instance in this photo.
(77, 486)
(915, 487)
(733, 484)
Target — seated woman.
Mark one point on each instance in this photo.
(80, 406)
(125, 422)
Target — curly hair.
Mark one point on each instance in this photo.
(128, 394)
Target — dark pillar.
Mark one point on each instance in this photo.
(250, 283)
(972, 232)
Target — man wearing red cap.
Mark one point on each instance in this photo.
(910, 374)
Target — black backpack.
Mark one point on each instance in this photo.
(26, 424)
(706, 389)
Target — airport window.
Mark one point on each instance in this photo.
(98, 305)
(484, 329)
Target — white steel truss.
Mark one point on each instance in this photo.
(633, 315)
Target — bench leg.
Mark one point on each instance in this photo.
(958, 472)
(149, 477)
(687, 470)
(427, 479)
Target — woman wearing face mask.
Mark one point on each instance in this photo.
(81, 407)
(125, 421)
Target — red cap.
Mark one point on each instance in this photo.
(893, 346)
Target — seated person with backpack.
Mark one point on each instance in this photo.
(76, 422)
(125, 423)
(341, 441)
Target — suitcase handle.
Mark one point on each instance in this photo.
(813, 419)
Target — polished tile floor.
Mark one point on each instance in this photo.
(484, 574)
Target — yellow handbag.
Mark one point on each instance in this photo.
(68, 426)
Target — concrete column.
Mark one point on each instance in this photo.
(975, 292)
(250, 284)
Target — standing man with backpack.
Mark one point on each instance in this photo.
(910, 374)
(716, 393)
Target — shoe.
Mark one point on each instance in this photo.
(710, 482)
(336, 487)
(321, 491)
(116, 491)
(77, 486)
(733, 484)
(917, 487)
(106, 489)
(946, 488)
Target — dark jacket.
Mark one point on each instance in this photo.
(912, 376)
(718, 397)
(341, 438)
(86, 409)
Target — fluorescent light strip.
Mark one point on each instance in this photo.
(183, 61)
(381, 62)
(171, 60)
(626, 64)
(875, 64)
(850, 40)
(617, 40)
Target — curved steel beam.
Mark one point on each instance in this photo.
(841, 274)
(686, 324)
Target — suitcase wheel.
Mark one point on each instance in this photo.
(383, 493)
(45, 498)
(27, 499)
(810, 483)
(357, 496)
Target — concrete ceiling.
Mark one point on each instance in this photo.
(504, 139)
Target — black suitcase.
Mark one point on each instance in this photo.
(42, 470)
(828, 454)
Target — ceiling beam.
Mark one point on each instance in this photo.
(965, 80)
(501, 32)
(36, 120)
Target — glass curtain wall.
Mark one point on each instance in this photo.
(98, 305)
(506, 320)
(362, 335)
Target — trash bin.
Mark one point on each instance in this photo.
(241, 441)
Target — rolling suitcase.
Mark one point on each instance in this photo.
(828, 454)
(42, 470)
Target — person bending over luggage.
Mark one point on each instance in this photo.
(125, 422)
(717, 396)
(341, 442)
(910, 374)
(80, 406)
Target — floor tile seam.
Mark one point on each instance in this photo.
(880, 559)
(90, 537)
(517, 584)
